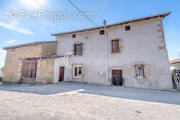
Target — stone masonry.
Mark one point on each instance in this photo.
(15, 54)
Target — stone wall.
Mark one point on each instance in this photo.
(49, 49)
(13, 64)
(45, 71)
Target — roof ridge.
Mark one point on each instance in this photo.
(114, 24)
(27, 44)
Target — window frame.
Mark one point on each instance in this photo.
(77, 75)
(127, 28)
(73, 35)
(117, 48)
(101, 32)
(142, 74)
(77, 53)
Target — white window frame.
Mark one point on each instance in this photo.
(78, 75)
(139, 75)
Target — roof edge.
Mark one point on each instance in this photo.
(114, 24)
(177, 60)
(28, 44)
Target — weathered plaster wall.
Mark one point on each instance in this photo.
(13, 64)
(45, 71)
(144, 43)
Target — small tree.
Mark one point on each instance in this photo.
(1, 72)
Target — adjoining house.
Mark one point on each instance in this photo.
(30, 63)
(130, 53)
(175, 71)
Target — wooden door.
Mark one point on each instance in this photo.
(61, 73)
(117, 78)
(28, 74)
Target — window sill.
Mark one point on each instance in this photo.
(115, 52)
(140, 78)
(78, 77)
(77, 55)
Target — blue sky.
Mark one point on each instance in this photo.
(17, 31)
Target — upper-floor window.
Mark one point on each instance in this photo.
(73, 35)
(139, 71)
(78, 49)
(101, 32)
(127, 28)
(115, 46)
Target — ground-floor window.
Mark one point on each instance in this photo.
(139, 68)
(77, 71)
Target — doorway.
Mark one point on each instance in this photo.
(117, 77)
(28, 72)
(61, 73)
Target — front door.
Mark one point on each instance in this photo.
(117, 78)
(61, 73)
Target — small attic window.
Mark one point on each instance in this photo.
(127, 28)
(13, 50)
(101, 32)
(73, 35)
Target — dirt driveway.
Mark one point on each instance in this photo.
(76, 101)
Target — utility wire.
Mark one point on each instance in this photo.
(49, 10)
(81, 11)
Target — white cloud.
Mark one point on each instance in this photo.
(10, 41)
(13, 26)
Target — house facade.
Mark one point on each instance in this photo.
(130, 53)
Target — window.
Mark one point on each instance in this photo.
(73, 35)
(115, 46)
(101, 32)
(139, 71)
(77, 71)
(78, 49)
(127, 28)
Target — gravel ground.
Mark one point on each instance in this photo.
(77, 101)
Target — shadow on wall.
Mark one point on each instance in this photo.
(109, 91)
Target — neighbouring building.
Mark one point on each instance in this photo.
(175, 72)
(131, 53)
(30, 63)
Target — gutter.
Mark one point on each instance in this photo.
(106, 46)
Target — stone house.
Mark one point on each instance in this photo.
(131, 53)
(30, 63)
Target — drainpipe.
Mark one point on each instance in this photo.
(106, 46)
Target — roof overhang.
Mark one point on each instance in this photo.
(41, 58)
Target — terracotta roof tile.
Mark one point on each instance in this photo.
(175, 60)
